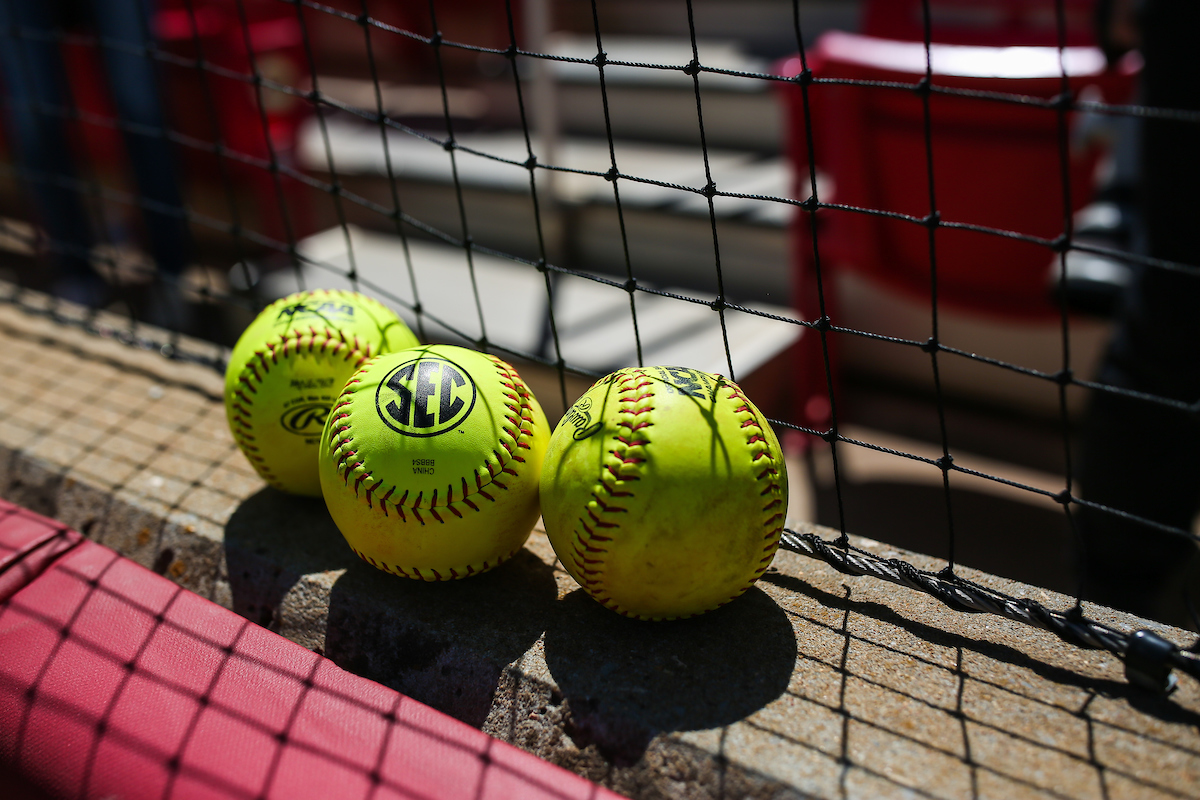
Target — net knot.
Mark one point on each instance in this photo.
(1060, 243)
(693, 68)
(510, 52)
(822, 324)
(363, 19)
(1064, 376)
(719, 304)
(601, 59)
(1063, 102)
(541, 265)
(945, 462)
(804, 77)
(931, 345)
(1063, 497)
(436, 39)
(531, 162)
(810, 203)
(709, 190)
(449, 145)
(924, 86)
(611, 175)
(630, 285)
(932, 220)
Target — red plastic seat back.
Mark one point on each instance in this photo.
(982, 22)
(996, 164)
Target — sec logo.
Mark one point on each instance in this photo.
(427, 396)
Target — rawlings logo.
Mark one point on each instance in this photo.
(305, 420)
(425, 397)
(580, 415)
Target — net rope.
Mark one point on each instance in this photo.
(955, 591)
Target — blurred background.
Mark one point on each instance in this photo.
(973, 247)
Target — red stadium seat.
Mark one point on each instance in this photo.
(998, 23)
(996, 164)
(115, 682)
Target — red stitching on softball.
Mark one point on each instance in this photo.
(604, 507)
(612, 470)
(633, 443)
(599, 523)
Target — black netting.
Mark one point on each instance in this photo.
(260, 108)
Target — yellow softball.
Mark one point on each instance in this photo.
(664, 492)
(430, 459)
(288, 367)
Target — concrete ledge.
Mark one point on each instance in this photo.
(811, 685)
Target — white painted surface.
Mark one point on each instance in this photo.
(594, 319)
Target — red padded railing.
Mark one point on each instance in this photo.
(115, 682)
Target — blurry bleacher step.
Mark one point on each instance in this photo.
(643, 103)
(660, 104)
(594, 320)
(1037, 344)
(667, 233)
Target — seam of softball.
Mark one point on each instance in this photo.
(588, 551)
(289, 344)
(767, 477)
(518, 426)
(430, 574)
(589, 548)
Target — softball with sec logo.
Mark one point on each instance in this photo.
(429, 462)
(286, 370)
(664, 492)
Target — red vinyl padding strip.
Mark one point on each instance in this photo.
(117, 683)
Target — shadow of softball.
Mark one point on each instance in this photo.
(444, 644)
(622, 677)
(272, 540)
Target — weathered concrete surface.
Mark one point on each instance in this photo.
(812, 684)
